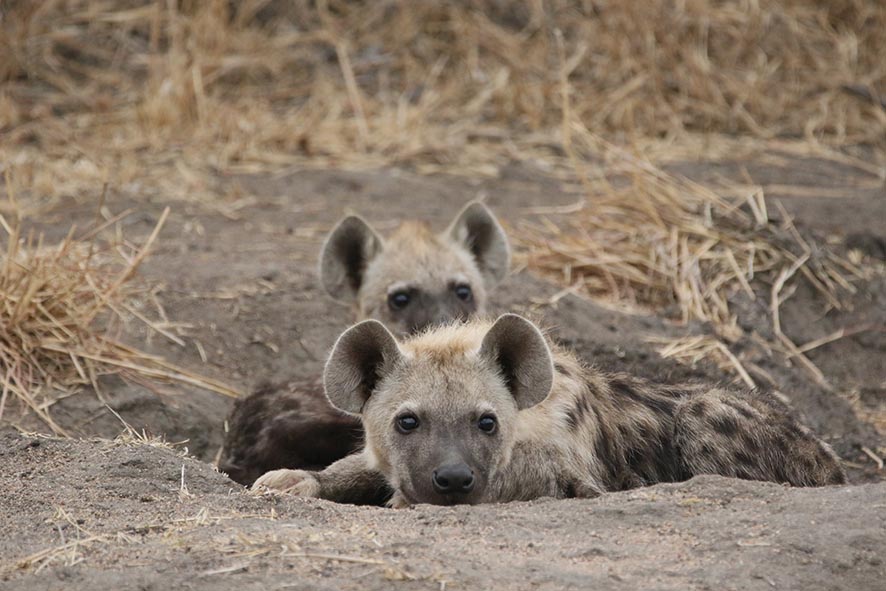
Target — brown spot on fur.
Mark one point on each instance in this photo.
(636, 392)
(836, 476)
(606, 447)
(781, 445)
(749, 442)
(698, 408)
(725, 425)
(568, 489)
(576, 415)
(745, 459)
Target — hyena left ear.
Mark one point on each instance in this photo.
(346, 253)
(361, 356)
(519, 350)
(478, 230)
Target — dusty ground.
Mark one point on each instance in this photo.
(239, 275)
(116, 516)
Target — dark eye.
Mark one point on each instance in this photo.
(464, 293)
(399, 300)
(407, 423)
(487, 424)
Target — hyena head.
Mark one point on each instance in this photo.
(440, 409)
(416, 278)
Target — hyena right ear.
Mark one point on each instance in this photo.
(344, 257)
(520, 352)
(361, 356)
(477, 229)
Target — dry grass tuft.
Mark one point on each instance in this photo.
(188, 90)
(662, 241)
(692, 349)
(60, 309)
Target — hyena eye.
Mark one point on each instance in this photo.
(487, 424)
(463, 292)
(398, 300)
(407, 423)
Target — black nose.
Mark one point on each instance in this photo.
(454, 478)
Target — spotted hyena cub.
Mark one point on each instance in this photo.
(414, 279)
(493, 412)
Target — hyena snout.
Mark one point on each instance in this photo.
(434, 314)
(454, 479)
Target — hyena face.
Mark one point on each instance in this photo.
(416, 278)
(440, 410)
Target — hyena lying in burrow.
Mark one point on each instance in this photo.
(485, 412)
(414, 279)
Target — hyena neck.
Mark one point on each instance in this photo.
(595, 432)
(549, 456)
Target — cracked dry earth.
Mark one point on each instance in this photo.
(90, 513)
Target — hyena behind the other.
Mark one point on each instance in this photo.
(412, 280)
(494, 412)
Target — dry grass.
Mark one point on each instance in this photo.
(173, 95)
(651, 240)
(642, 235)
(62, 308)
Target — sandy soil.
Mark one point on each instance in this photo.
(142, 517)
(240, 275)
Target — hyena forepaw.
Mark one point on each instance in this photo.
(295, 482)
(398, 501)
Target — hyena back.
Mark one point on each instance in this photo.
(414, 279)
(495, 412)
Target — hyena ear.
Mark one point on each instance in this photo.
(361, 356)
(344, 257)
(518, 349)
(478, 230)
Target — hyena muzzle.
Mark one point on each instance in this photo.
(494, 412)
(412, 280)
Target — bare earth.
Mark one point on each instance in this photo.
(709, 533)
(98, 515)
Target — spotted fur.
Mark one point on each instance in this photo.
(295, 427)
(564, 429)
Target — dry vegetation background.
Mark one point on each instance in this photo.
(170, 97)
(133, 92)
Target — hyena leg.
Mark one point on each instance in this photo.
(348, 480)
(751, 436)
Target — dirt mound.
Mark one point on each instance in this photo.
(150, 517)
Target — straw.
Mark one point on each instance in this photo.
(58, 305)
(170, 94)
